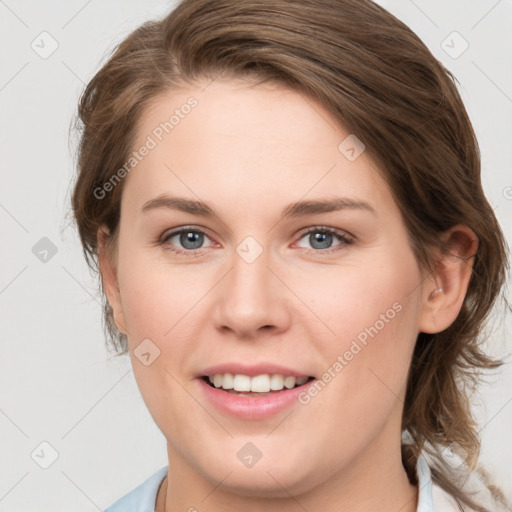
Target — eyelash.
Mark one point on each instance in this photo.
(345, 239)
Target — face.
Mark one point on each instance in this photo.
(332, 294)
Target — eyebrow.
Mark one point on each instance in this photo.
(296, 209)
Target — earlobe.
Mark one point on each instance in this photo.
(444, 292)
(108, 273)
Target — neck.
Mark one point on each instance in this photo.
(378, 484)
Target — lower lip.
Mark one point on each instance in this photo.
(252, 408)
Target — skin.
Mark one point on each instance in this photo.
(249, 151)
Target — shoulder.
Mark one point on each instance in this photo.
(143, 497)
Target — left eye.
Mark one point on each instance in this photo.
(322, 238)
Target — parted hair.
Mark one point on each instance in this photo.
(379, 80)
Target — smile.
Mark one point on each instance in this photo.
(234, 395)
(257, 385)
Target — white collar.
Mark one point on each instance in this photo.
(425, 499)
(432, 497)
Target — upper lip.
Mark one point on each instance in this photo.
(251, 369)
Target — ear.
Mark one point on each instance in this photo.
(108, 272)
(443, 293)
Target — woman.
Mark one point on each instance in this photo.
(283, 199)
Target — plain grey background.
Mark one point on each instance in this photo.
(58, 385)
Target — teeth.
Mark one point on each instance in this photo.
(276, 382)
(289, 382)
(258, 384)
(217, 381)
(228, 381)
(240, 382)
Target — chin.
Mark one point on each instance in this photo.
(276, 477)
(262, 484)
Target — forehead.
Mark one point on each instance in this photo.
(244, 141)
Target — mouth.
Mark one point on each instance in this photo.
(253, 397)
(258, 386)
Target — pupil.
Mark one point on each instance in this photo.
(325, 240)
(194, 239)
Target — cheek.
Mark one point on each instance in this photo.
(360, 301)
(155, 296)
(370, 319)
(158, 305)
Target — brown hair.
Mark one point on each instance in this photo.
(375, 76)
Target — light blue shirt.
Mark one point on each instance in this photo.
(143, 497)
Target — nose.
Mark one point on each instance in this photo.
(251, 300)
